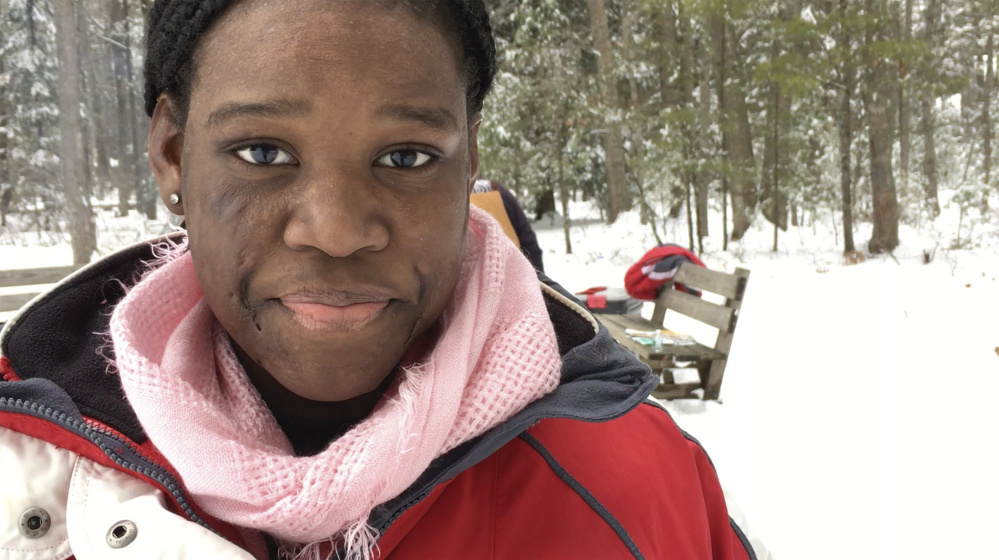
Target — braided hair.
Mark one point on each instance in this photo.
(175, 28)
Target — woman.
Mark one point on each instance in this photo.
(339, 357)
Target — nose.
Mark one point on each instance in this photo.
(338, 215)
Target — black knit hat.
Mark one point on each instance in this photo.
(176, 26)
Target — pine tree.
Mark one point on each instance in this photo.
(81, 220)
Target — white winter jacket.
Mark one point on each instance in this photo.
(56, 504)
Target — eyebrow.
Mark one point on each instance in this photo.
(441, 119)
(273, 109)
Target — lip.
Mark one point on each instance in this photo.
(334, 311)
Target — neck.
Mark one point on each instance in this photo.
(310, 425)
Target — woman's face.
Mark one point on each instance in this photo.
(324, 170)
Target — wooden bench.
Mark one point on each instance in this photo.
(30, 279)
(709, 361)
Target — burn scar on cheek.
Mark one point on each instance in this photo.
(231, 201)
(242, 258)
(242, 300)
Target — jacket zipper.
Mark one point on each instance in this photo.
(398, 513)
(154, 471)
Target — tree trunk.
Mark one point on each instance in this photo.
(617, 187)
(6, 188)
(930, 193)
(637, 163)
(773, 198)
(667, 55)
(905, 104)
(87, 178)
(703, 174)
(986, 113)
(32, 25)
(724, 201)
(684, 96)
(737, 139)
(124, 172)
(93, 72)
(81, 222)
(648, 216)
(671, 90)
(563, 188)
(101, 141)
(846, 131)
(880, 88)
(774, 160)
(146, 192)
(689, 183)
(744, 195)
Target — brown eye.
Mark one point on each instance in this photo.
(404, 159)
(264, 154)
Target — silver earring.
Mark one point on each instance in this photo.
(174, 198)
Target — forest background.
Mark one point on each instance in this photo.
(849, 387)
(777, 110)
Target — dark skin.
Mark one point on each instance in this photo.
(324, 180)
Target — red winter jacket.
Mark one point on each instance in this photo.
(593, 470)
(632, 487)
(643, 279)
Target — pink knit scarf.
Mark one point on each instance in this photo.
(496, 353)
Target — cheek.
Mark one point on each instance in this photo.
(225, 252)
(220, 275)
(444, 251)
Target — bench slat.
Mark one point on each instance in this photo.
(713, 281)
(667, 354)
(28, 277)
(717, 316)
(676, 391)
(627, 322)
(708, 280)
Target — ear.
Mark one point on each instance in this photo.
(165, 146)
(473, 150)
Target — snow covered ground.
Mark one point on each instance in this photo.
(857, 416)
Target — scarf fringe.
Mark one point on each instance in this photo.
(359, 542)
(406, 400)
(164, 251)
(294, 551)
